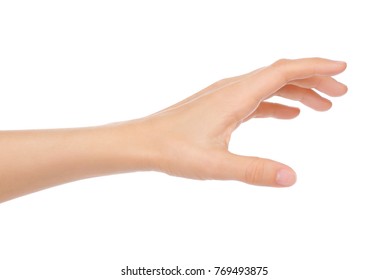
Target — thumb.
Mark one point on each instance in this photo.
(257, 171)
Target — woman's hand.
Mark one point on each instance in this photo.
(190, 139)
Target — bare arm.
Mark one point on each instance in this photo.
(36, 159)
(189, 139)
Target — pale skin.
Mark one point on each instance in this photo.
(189, 139)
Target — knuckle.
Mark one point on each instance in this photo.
(279, 67)
(254, 173)
(281, 62)
(222, 82)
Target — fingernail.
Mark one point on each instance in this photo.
(285, 177)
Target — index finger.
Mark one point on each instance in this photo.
(280, 73)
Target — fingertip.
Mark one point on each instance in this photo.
(342, 65)
(329, 105)
(296, 112)
(326, 106)
(344, 89)
(331, 67)
(285, 177)
(340, 62)
(289, 113)
(339, 90)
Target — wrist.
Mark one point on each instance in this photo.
(129, 147)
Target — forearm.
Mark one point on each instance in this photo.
(38, 159)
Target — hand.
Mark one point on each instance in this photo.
(190, 139)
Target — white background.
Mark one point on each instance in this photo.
(80, 63)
